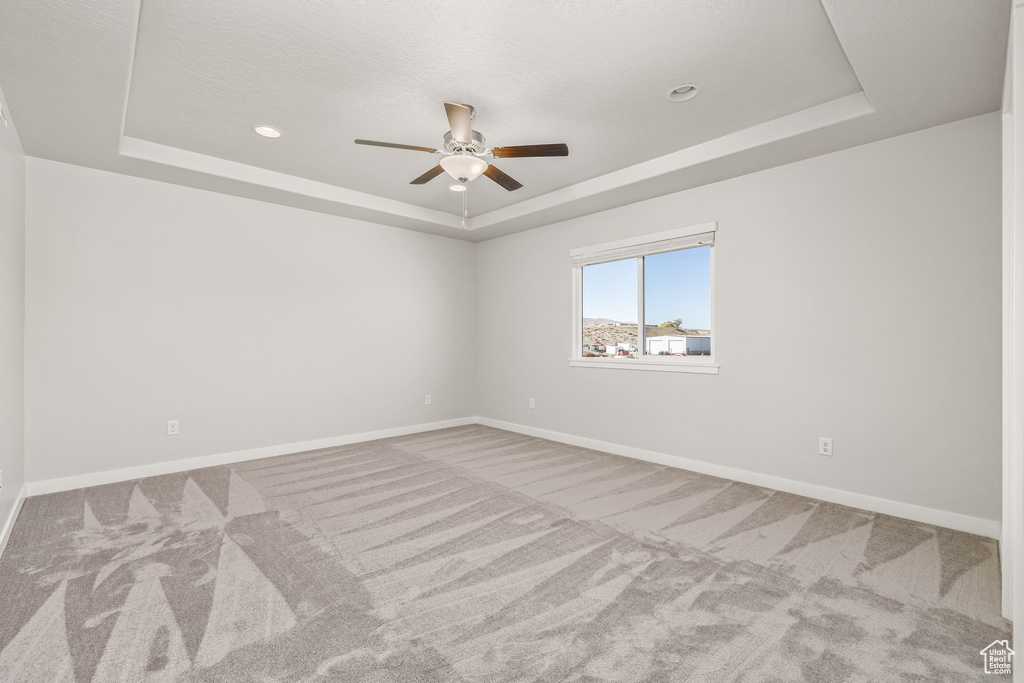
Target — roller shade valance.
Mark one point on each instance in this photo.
(644, 245)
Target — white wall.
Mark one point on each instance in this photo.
(878, 267)
(253, 324)
(12, 320)
(256, 324)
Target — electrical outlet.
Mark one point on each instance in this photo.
(531, 403)
(824, 446)
(428, 399)
(172, 428)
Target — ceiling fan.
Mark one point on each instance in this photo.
(466, 152)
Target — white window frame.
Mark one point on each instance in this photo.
(634, 247)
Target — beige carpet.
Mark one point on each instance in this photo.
(473, 554)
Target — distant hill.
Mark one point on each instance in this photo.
(603, 321)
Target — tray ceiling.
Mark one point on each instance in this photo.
(170, 89)
(593, 75)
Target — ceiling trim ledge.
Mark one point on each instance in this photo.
(811, 119)
(145, 150)
(822, 116)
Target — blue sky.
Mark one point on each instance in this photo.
(677, 285)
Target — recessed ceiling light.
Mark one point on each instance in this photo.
(457, 188)
(267, 131)
(684, 92)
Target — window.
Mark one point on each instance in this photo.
(665, 281)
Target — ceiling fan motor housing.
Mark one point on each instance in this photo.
(476, 147)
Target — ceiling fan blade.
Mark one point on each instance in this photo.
(428, 176)
(557, 150)
(395, 145)
(502, 178)
(458, 120)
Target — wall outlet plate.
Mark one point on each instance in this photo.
(428, 400)
(531, 403)
(172, 428)
(825, 446)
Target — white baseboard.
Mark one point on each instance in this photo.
(950, 520)
(37, 488)
(9, 522)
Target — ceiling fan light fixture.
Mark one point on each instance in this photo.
(457, 187)
(267, 131)
(463, 167)
(684, 92)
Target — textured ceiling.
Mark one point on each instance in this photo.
(169, 89)
(591, 74)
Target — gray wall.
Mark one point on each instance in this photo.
(858, 297)
(253, 324)
(12, 318)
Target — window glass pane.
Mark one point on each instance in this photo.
(677, 303)
(610, 309)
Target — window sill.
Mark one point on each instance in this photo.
(703, 368)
